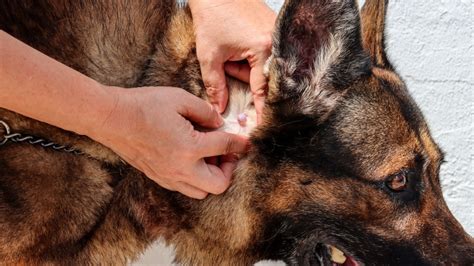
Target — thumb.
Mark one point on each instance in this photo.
(216, 143)
(215, 82)
(199, 111)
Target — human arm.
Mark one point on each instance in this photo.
(148, 127)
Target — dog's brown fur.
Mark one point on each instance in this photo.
(335, 131)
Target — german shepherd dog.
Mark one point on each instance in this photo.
(342, 170)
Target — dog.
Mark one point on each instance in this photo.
(342, 170)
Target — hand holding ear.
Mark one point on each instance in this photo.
(230, 30)
(151, 129)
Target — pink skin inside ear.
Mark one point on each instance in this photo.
(242, 119)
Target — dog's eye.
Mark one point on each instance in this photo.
(398, 182)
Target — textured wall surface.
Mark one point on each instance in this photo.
(431, 44)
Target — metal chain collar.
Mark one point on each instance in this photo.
(17, 137)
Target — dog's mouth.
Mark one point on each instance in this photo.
(324, 254)
(340, 258)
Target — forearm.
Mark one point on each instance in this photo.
(37, 86)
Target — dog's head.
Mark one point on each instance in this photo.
(349, 160)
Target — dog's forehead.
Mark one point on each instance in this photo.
(378, 126)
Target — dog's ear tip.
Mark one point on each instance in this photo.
(373, 17)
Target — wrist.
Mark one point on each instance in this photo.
(106, 103)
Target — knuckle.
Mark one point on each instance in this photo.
(214, 83)
(212, 90)
(260, 92)
(194, 140)
(229, 144)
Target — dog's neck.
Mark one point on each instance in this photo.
(213, 224)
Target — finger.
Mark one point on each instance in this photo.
(219, 143)
(199, 111)
(209, 178)
(213, 76)
(228, 164)
(228, 168)
(238, 70)
(259, 103)
(164, 184)
(190, 190)
(181, 187)
(258, 85)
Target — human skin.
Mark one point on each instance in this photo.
(158, 118)
(228, 31)
(100, 112)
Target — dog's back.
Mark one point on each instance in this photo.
(109, 41)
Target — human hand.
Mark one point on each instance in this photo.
(233, 30)
(150, 128)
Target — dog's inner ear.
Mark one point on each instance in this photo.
(317, 52)
(373, 31)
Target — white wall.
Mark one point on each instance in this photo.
(431, 44)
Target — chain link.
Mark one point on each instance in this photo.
(17, 137)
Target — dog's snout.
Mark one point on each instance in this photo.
(464, 251)
(447, 243)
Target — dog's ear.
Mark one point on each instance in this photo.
(373, 31)
(317, 52)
